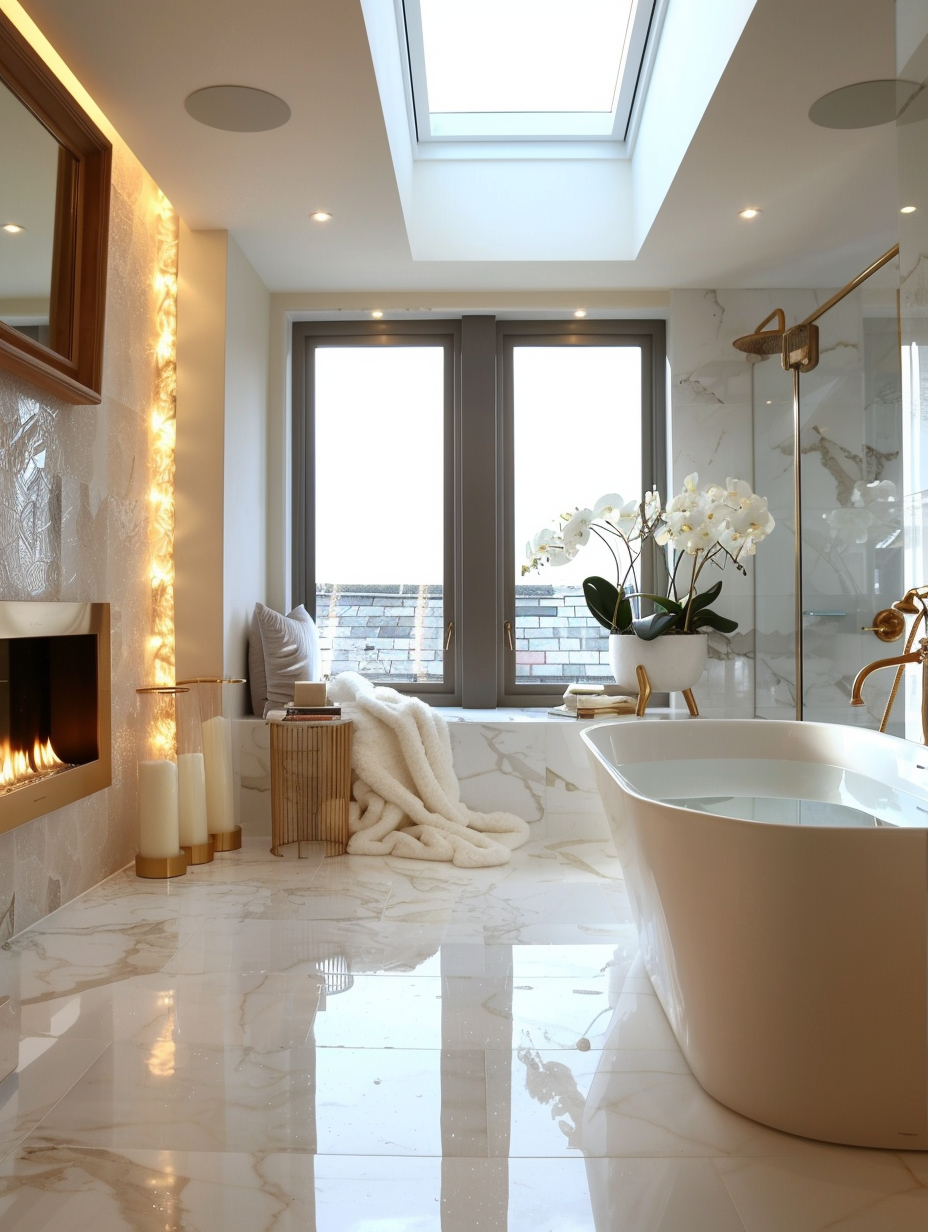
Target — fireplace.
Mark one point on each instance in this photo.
(54, 706)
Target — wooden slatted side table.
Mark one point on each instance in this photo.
(310, 783)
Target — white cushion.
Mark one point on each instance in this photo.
(281, 651)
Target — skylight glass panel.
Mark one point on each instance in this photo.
(514, 70)
(524, 55)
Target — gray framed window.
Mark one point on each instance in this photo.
(467, 630)
(582, 416)
(374, 498)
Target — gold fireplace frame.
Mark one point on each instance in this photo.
(36, 619)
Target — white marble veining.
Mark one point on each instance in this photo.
(354, 1044)
(525, 761)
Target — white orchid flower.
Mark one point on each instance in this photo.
(652, 504)
(738, 492)
(541, 544)
(628, 520)
(736, 543)
(562, 554)
(576, 531)
(753, 518)
(607, 505)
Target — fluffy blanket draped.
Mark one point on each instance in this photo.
(406, 800)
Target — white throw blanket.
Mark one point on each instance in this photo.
(406, 797)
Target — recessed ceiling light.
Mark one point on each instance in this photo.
(321, 216)
(237, 109)
(908, 209)
(580, 313)
(751, 212)
(13, 228)
(376, 314)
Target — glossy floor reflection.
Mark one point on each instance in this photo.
(360, 1045)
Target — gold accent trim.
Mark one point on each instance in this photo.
(227, 840)
(162, 688)
(199, 853)
(644, 694)
(213, 680)
(888, 625)
(161, 866)
(913, 601)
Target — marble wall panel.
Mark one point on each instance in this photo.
(74, 525)
(538, 770)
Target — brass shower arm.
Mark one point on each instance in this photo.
(851, 286)
(800, 349)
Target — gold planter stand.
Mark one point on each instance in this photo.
(199, 853)
(227, 840)
(644, 693)
(161, 866)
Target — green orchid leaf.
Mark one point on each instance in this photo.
(607, 604)
(714, 621)
(662, 602)
(650, 627)
(703, 600)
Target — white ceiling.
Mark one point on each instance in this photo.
(829, 197)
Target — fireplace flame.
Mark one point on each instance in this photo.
(18, 766)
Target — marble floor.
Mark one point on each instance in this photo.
(360, 1045)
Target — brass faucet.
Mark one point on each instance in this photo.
(913, 602)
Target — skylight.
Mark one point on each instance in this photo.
(517, 70)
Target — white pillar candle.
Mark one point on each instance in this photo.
(217, 758)
(158, 832)
(191, 799)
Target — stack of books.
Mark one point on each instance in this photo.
(311, 714)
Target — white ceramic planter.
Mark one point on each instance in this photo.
(673, 662)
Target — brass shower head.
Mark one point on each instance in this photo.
(765, 341)
(907, 603)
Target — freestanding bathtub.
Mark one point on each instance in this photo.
(778, 874)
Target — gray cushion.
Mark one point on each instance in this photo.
(281, 650)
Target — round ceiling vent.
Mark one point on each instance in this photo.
(237, 109)
(863, 105)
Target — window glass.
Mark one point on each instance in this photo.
(576, 437)
(379, 420)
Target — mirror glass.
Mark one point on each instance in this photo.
(29, 157)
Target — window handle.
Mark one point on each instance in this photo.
(507, 628)
(449, 635)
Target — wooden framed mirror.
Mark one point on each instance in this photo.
(54, 219)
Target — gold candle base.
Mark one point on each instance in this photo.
(227, 840)
(199, 853)
(161, 866)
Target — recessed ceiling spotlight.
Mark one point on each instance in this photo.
(908, 209)
(376, 314)
(237, 109)
(321, 216)
(13, 228)
(580, 313)
(750, 212)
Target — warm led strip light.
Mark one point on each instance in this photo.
(161, 492)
